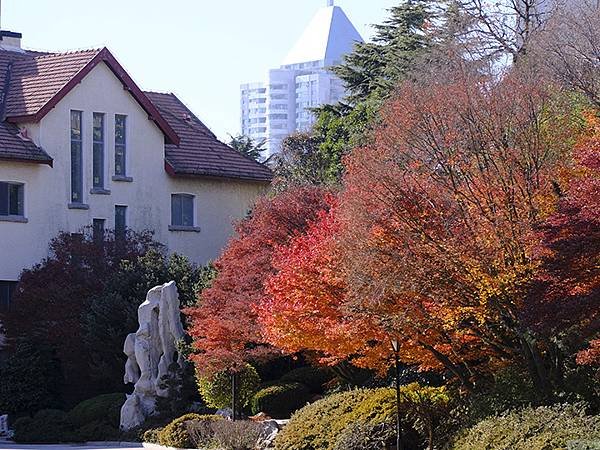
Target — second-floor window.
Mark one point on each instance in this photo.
(182, 210)
(76, 158)
(11, 199)
(120, 145)
(120, 221)
(98, 151)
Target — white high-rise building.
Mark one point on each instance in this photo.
(273, 109)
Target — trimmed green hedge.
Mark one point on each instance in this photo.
(175, 434)
(280, 400)
(326, 424)
(46, 426)
(314, 378)
(103, 408)
(546, 427)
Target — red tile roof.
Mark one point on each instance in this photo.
(199, 152)
(35, 81)
(32, 83)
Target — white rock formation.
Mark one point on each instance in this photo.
(150, 351)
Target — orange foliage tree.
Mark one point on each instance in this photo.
(437, 217)
(304, 309)
(224, 325)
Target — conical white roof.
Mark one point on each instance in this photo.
(328, 37)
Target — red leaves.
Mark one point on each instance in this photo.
(224, 325)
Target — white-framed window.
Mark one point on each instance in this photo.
(120, 221)
(182, 210)
(12, 200)
(98, 151)
(7, 289)
(120, 145)
(76, 157)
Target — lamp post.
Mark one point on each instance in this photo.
(234, 395)
(396, 348)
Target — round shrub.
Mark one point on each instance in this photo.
(176, 433)
(312, 377)
(216, 390)
(47, 426)
(319, 424)
(103, 408)
(546, 427)
(280, 400)
(98, 430)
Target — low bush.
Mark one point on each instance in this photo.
(239, 435)
(280, 400)
(361, 436)
(321, 424)
(216, 390)
(176, 433)
(103, 408)
(47, 426)
(318, 425)
(545, 427)
(98, 430)
(314, 378)
(151, 435)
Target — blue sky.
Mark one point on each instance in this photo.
(199, 49)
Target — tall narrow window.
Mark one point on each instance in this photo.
(120, 145)
(7, 289)
(76, 158)
(120, 221)
(98, 151)
(182, 210)
(98, 230)
(11, 199)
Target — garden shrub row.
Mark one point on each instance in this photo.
(547, 427)
(280, 400)
(96, 419)
(334, 422)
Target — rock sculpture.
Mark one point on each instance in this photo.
(150, 351)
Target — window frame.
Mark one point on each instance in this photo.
(10, 287)
(10, 215)
(121, 160)
(76, 197)
(98, 154)
(179, 225)
(121, 233)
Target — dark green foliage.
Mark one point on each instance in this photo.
(112, 314)
(280, 400)
(31, 377)
(374, 68)
(216, 390)
(181, 388)
(103, 408)
(546, 427)
(314, 378)
(247, 146)
(175, 434)
(47, 426)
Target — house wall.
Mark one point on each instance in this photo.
(147, 197)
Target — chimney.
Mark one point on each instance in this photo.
(11, 41)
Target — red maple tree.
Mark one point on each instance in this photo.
(224, 325)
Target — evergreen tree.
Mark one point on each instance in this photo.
(247, 146)
(374, 68)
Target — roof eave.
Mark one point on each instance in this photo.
(105, 56)
(48, 162)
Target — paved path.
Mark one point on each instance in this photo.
(109, 446)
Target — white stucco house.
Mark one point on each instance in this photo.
(82, 145)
